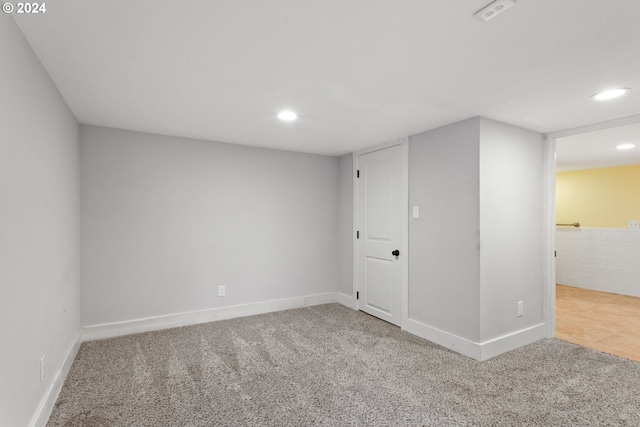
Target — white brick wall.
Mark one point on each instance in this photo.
(601, 259)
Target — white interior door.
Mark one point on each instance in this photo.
(380, 210)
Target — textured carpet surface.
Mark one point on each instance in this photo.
(329, 365)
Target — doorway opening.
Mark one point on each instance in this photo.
(597, 239)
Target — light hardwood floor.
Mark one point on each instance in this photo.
(599, 320)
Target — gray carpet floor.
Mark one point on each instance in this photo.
(329, 365)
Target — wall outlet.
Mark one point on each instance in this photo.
(633, 223)
(221, 291)
(520, 308)
(42, 369)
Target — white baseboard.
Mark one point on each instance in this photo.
(499, 345)
(347, 300)
(128, 327)
(478, 351)
(43, 412)
(446, 339)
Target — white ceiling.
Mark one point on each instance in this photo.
(358, 72)
(597, 149)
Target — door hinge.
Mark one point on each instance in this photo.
(358, 174)
(357, 295)
(358, 234)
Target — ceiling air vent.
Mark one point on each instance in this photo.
(493, 9)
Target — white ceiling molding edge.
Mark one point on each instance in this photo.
(635, 118)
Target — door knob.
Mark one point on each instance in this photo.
(395, 253)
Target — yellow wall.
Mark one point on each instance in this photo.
(607, 197)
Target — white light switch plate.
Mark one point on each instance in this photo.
(42, 369)
(520, 308)
(416, 211)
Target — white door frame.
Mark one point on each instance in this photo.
(549, 206)
(549, 238)
(404, 246)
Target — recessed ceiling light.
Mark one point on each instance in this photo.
(610, 94)
(626, 146)
(287, 116)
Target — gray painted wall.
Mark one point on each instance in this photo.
(511, 213)
(39, 207)
(476, 249)
(167, 220)
(444, 265)
(345, 239)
